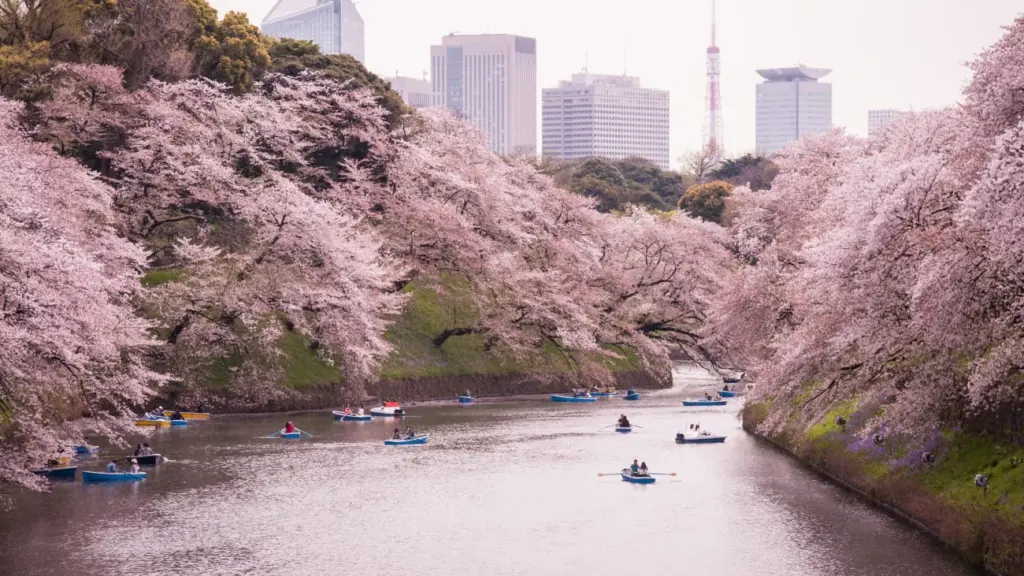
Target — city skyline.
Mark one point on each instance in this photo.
(905, 47)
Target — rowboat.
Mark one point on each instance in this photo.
(727, 393)
(154, 423)
(65, 473)
(86, 449)
(698, 438)
(189, 415)
(703, 402)
(602, 394)
(465, 399)
(560, 398)
(633, 396)
(624, 429)
(627, 476)
(291, 435)
(732, 378)
(179, 423)
(394, 411)
(351, 417)
(112, 476)
(149, 460)
(421, 439)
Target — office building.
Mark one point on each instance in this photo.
(606, 116)
(791, 104)
(414, 91)
(877, 119)
(491, 80)
(333, 25)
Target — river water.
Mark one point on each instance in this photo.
(504, 488)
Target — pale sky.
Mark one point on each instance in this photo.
(883, 53)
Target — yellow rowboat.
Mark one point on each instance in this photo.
(154, 423)
(189, 415)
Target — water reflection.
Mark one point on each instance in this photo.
(502, 489)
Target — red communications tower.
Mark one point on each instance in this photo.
(713, 133)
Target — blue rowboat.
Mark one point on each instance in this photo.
(421, 439)
(624, 429)
(633, 396)
(291, 435)
(703, 402)
(698, 439)
(65, 473)
(112, 476)
(627, 476)
(603, 394)
(179, 423)
(86, 449)
(727, 393)
(560, 398)
(465, 399)
(351, 417)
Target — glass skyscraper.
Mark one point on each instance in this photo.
(333, 25)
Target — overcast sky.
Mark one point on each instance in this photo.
(883, 53)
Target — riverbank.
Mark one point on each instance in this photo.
(928, 484)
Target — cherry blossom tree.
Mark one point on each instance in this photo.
(71, 343)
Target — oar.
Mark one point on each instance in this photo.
(635, 426)
(608, 426)
(609, 473)
(661, 473)
(274, 435)
(304, 432)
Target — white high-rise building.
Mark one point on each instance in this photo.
(490, 79)
(414, 91)
(606, 116)
(791, 104)
(877, 119)
(333, 25)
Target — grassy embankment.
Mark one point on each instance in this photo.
(985, 524)
(428, 312)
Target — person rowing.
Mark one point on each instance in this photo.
(112, 467)
(146, 450)
(289, 428)
(624, 422)
(177, 415)
(409, 433)
(635, 468)
(348, 410)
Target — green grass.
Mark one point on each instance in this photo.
(303, 368)
(827, 423)
(159, 276)
(952, 476)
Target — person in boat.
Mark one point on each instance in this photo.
(466, 394)
(177, 415)
(630, 391)
(624, 422)
(725, 388)
(634, 468)
(696, 427)
(111, 467)
(138, 450)
(135, 466)
(707, 396)
(348, 410)
(360, 411)
(146, 450)
(289, 427)
(643, 469)
(409, 433)
(397, 435)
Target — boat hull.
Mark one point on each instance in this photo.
(703, 402)
(291, 435)
(65, 473)
(698, 439)
(633, 396)
(150, 460)
(87, 449)
(603, 394)
(189, 415)
(422, 439)
(388, 412)
(627, 476)
(560, 398)
(154, 423)
(727, 393)
(112, 476)
(179, 423)
(465, 399)
(351, 417)
(623, 429)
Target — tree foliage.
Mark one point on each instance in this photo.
(616, 184)
(706, 201)
(889, 269)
